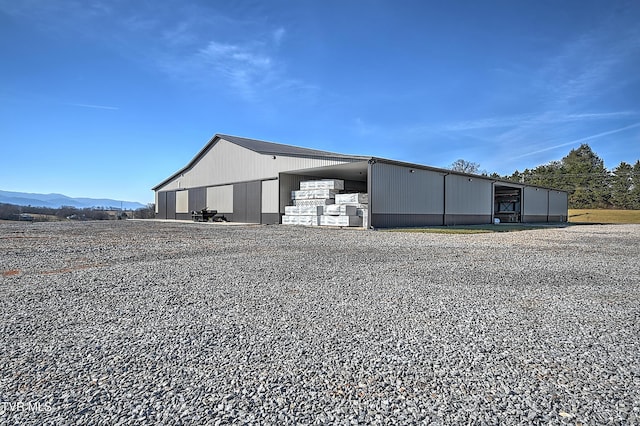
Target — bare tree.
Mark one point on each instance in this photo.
(148, 212)
(464, 166)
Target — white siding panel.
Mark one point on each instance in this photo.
(469, 195)
(156, 192)
(270, 196)
(220, 198)
(182, 201)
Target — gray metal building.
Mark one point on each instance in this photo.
(251, 181)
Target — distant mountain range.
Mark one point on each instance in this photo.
(58, 200)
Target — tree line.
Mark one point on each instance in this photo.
(590, 185)
(13, 212)
(583, 175)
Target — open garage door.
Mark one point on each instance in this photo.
(507, 204)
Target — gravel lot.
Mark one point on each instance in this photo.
(134, 322)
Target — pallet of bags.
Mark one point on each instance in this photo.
(313, 202)
(335, 184)
(311, 194)
(356, 198)
(303, 210)
(301, 220)
(340, 220)
(339, 210)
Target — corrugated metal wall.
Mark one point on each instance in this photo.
(197, 199)
(182, 201)
(246, 202)
(403, 196)
(161, 206)
(171, 204)
(406, 196)
(227, 163)
(469, 195)
(535, 204)
(397, 190)
(270, 196)
(558, 206)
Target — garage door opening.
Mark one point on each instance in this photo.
(507, 204)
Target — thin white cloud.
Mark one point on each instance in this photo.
(177, 41)
(536, 119)
(112, 108)
(245, 67)
(577, 141)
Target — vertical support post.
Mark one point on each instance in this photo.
(370, 164)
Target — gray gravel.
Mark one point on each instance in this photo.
(134, 322)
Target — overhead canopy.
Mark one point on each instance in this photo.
(356, 171)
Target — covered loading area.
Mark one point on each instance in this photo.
(507, 203)
(354, 175)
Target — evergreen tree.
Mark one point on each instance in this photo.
(635, 187)
(590, 185)
(621, 186)
(584, 172)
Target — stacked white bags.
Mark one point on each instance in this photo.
(319, 202)
(309, 200)
(359, 201)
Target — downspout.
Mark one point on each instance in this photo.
(548, 204)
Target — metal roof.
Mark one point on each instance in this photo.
(262, 147)
(272, 148)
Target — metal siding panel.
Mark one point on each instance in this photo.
(532, 218)
(395, 220)
(270, 196)
(558, 205)
(270, 218)
(197, 199)
(226, 163)
(534, 202)
(467, 219)
(240, 202)
(182, 201)
(397, 190)
(254, 199)
(220, 198)
(468, 195)
(171, 204)
(162, 205)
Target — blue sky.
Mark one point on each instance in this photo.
(107, 98)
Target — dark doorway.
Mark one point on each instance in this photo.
(507, 204)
